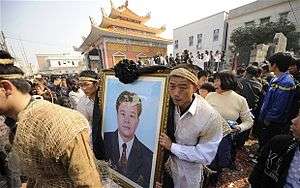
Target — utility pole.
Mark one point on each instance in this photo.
(3, 45)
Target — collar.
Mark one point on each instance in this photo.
(129, 145)
(193, 107)
(282, 76)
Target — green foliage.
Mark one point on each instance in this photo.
(258, 34)
(243, 38)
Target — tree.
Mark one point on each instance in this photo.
(243, 38)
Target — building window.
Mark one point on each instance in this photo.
(265, 20)
(199, 41)
(191, 40)
(251, 23)
(284, 15)
(216, 35)
(59, 63)
(176, 44)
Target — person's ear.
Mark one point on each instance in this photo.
(195, 88)
(96, 84)
(7, 86)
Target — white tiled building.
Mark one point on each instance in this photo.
(263, 11)
(205, 34)
(59, 63)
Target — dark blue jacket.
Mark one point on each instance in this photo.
(279, 99)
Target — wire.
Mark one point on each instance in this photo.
(31, 41)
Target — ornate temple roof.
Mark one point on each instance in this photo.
(123, 23)
(108, 22)
(97, 32)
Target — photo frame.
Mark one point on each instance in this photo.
(134, 114)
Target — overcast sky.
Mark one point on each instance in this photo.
(56, 26)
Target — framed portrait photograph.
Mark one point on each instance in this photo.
(133, 116)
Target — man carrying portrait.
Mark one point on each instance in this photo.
(193, 134)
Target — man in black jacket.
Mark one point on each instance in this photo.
(278, 165)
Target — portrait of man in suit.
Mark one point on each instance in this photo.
(127, 154)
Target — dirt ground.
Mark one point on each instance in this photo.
(239, 178)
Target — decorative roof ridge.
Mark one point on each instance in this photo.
(132, 24)
(124, 11)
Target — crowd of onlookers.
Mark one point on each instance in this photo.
(59, 89)
(207, 60)
(270, 90)
(260, 100)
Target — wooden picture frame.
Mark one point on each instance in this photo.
(152, 104)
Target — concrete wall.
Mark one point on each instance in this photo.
(206, 27)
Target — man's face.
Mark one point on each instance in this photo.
(296, 126)
(40, 89)
(89, 88)
(57, 81)
(4, 100)
(293, 69)
(217, 84)
(203, 92)
(128, 119)
(3, 104)
(272, 67)
(181, 91)
(202, 80)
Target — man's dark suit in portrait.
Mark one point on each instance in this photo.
(139, 161)
(126, 153)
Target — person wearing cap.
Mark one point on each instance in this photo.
(197, 131)
(88, 106)
(88, 82)
(50, 141)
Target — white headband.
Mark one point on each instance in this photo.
(6, 62)
(11, 76)
(87, 79)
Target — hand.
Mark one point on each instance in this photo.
(237, 129)
(158, 185)
(165, 141)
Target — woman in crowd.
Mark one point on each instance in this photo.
(206, 88)
(234, 109)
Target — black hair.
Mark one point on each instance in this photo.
(252, 70)
(208, 86)
(228, 81)
(54, 77)
(255, 63)
(265, 66)
(296, 62)
(89, 73)
(21, 84)
(202, 73)
(240, 70)
(282, 61)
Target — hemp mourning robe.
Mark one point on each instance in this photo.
(52, 144)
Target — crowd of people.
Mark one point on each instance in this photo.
(213, 112)
(207, 60)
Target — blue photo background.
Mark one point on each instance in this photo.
(150, 92)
